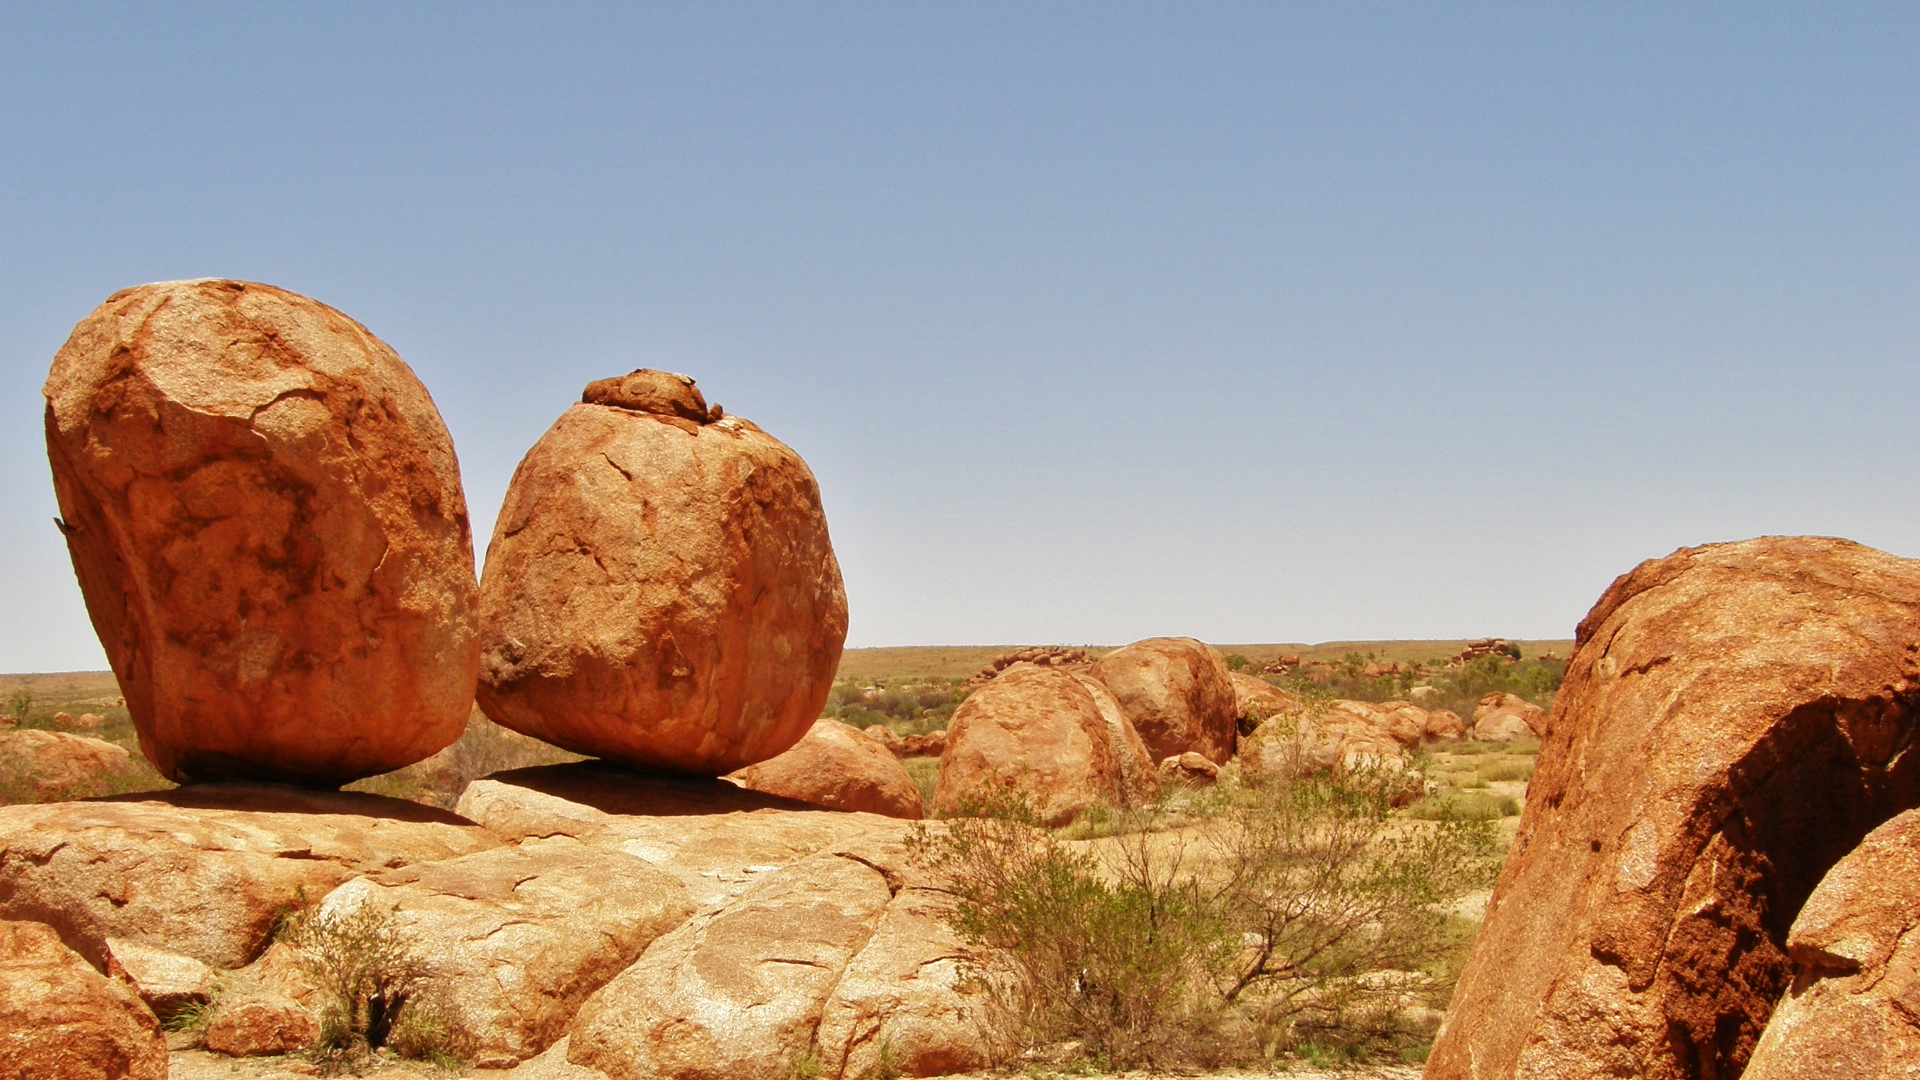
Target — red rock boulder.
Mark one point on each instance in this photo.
(1056, 738)
(1503, 717)
(57, 765)
(265, 515)
(1735, 718)
(838, 767)
(1856, 969)
(62, 1020)
(1177, 693)
(660, 590)
(1256, 699)
(1445, 724)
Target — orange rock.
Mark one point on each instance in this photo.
(58, 764)
(1057, 737)
(166, 981)
(660, 590)
(1341, 736)
(1856, 966)
(258, 1024)
(1403, 722)
(1445, 724)
(62, 1020)
(1733, 721)
(1177, 693)
(1256, 699)
(265, 515)
(838, 767)
(1503, 717)
(1189, 770)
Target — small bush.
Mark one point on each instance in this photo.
(372, 981)
(1474, 806)
(1500, 772)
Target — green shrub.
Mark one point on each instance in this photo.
(1474, 806)
(372, 981)
(1498, 772)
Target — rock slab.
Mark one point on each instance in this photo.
(265, 514)
(62, 1020)
(660, 589)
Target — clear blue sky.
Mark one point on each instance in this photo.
(1096, 321)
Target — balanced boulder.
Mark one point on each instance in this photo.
(265, 515)
(660, 590)
(1735, 718)
(1054, 739)
(1853, 1008)
(838, 767)
(1177, 693)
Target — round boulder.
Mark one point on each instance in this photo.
(1177, 693)
(838, 767)
(265, 515)
(1056, 739)
(660, 590)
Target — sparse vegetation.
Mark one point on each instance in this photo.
(1305, 918)
(373, 985)
(909, 708)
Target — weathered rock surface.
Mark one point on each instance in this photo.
(204, 871)
(62, 1020)
(1854, 1006)
(166, 981)
(1347, 735)
(1189, 770)
(265, 515)
(1733, 721)
(718, 839)
(1177, 693)
(1056, 737)
(1445, 724)
(660, 590)
(932, 744)
(838, 767)
(1501, 717)
(256, 1024)
(1254, 700)
(54, 763)
(515, 938)
(1404, 722)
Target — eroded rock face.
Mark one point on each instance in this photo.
(1731, 725)
(1056, 737)
(515, 938)
(839, 767)
(265, 515)
(1177, 693)
(257, 1024)
(167, 981)
(660, 589)
(1852, 1008)
(1501, 717)
(204, 871)
(62, 1020)
(1255, 699)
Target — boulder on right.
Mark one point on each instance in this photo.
(1854, 1007)
(1177, 693)
(1054, 738)
(1735, 718)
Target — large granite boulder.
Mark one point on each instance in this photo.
(1177, 693)
(839, 767)
(206, 870)
(265, 515)
(55, 765)
(1735, 718)
(1053, 738)
(660, 590)
(1503, 717)
(1853, 1008)
(1256, 699)
(62, 1020)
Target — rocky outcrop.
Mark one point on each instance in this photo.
(265, 515)
(168, 982)
(259, 1024)
(1339, 735)
(840, 768)
(931, 744)
(62, 1020)
(1177, 693)
(1853, 1008)
(1445, 725)
(660, 590)
(717, 838)
(1254, 700)
(1501, 717)
(1732, 723)
(55, 764)
(1055, 739)
(1189, 770)
(205, 871)
(515, 938)
(1037, 655)
(1404, 722)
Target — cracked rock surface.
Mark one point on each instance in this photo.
(1735, 718)
(265, 515)
(660, 589)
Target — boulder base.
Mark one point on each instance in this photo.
(841, 768)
